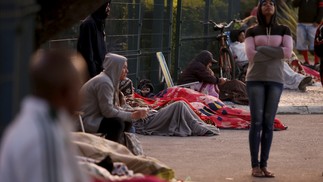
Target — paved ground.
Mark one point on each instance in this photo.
(313, 96)
(296, 155)
(296, 102)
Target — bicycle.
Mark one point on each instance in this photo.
(226, 61)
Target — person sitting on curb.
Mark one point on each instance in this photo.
(237, 48)
(91, 41)
(102, 101)
(199, 69)
(292, 79)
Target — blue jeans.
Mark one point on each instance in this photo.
(264, 97)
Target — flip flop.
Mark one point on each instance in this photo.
(257, 172)
(267, 173)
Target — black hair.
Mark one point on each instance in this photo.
(144, 83)
(234, 35)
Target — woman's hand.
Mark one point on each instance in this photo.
(141, 113)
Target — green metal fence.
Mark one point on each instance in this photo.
(138, 29)
(193, 34)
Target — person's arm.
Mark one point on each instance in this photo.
(250, 45)
(284, 51)
(105, 96)
(287, 43)
(85, 46)
(270, 51)
(261, 57)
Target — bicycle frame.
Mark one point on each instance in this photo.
(226, 62)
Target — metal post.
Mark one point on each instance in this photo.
(157, 35)
(206, 19)
(131, 15)
(233, 9)
(178, 38)
(17, 25)
(170, 21)
(139, 25)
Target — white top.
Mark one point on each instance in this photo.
(238, 51)
(36, 147)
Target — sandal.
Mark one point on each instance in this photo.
(267, 173)
(257, 172)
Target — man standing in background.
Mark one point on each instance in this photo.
(91, 41)
(310, 14)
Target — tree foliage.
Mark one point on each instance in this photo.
(287, 15)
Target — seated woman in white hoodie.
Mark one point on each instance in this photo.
(105, 113)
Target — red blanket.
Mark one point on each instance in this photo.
(210, 109)
(299, 68)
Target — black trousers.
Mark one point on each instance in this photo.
(113, 128)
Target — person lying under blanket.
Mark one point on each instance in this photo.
(209, 108)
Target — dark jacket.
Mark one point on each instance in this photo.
(91, 40)
(309, 11)
(318, 43)
(197, 70)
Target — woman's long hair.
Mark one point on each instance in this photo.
(261, 18)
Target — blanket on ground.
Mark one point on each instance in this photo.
(98, 148)
(210, 109)
(305, 70)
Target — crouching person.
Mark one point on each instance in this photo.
(103, 111)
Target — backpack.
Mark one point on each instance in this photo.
(318, 41)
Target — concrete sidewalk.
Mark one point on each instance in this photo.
(296, 102)
(296, 154)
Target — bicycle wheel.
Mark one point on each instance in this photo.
(227, 68)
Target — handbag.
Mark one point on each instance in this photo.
(131, 141)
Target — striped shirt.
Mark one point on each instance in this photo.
(265, 49)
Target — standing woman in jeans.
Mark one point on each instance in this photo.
(266, 45)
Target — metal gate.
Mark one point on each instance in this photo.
(138, 29)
